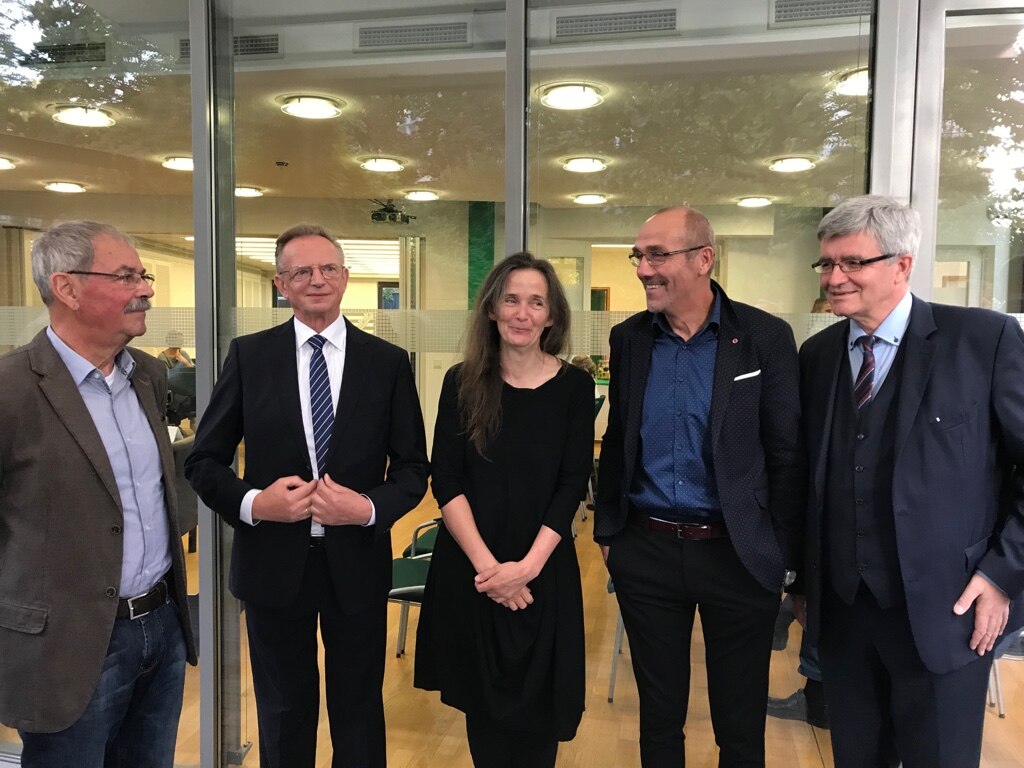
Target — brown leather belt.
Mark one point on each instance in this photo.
(139, 606)
(688, 531)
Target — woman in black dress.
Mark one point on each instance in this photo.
(501, 630)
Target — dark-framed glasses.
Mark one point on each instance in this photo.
(128, 279)
(657, 258)
(305, 274)
(825, 266)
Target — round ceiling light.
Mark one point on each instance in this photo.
(6, 164)
(84, 117)
(584, 164)
(382, 165)
(67, 187)
(791, 164)
(855, 83)
(421, 195)
(248, 192)
(570, 96)
(590, 199)
(754, 202)
(311, 107)
(178, 163)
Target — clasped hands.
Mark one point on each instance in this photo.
(505, 584)
(290, 499)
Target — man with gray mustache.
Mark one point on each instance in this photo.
(94, 628)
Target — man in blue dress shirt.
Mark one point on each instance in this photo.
(94, 629)
(702, 483)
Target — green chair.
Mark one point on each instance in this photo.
(423, 537)
(408, 577)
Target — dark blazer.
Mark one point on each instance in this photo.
(377, 448)
(759, 461)
(60, 536)
(958, 487)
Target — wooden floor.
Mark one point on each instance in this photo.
(423, 733)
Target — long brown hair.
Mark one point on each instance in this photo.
(480, 374)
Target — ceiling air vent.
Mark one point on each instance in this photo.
(603, 24)
(244, 45)
(442, 34)
(68, 53)
(798, 12)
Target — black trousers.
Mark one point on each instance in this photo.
(494, 746)
(881, 698)
(660, 582)
(286, 676)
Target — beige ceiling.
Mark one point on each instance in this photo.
(685, 119)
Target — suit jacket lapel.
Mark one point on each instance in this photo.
(641, 342)
(820, 421)
(62, 392)
(357, 374)
(285, 370)
(729, 355)
(917, 369)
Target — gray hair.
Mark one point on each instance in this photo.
(67, 247)
(304, 230)
(896, 227)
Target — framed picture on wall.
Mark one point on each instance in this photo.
(600, 299)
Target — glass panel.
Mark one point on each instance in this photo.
(119, 64)
(325, 95)
(979, 258)
(692, 109)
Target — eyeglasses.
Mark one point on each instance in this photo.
(127, 279)
(304, 274)
(657, 258)
(825, 266)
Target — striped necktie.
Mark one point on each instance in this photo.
(866, 375)
(321, 405)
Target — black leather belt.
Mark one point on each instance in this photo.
(139, 606)
(689, 531)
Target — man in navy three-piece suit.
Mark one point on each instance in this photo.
(914, 421)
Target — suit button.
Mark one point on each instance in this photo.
(860, 436)
(115, 529)
(861, 567)
(111, 592)
(860, 501)
(858, 468)
(860, 534)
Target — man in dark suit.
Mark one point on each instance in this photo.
(914, 417)
(94, 628)
(335, 453)
(702, 483)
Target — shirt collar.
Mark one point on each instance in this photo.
(335, 333)
(892, 329)
(79, 367)
(713, 322)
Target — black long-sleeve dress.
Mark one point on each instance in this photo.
(523, 668)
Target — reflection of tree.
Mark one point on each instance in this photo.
(983, 129)
(38, 46)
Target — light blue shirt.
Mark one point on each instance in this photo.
(888, 336)
(135, 459)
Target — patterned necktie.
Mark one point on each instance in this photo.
(321, 405)
(866, 376)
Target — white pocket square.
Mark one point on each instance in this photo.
(750, 375)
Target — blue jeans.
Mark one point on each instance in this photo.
(132, 719)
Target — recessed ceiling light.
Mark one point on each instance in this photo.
(67, 187)
(84, 117)
(570, 96)
(754, 202)
(311, 107)
(855, 83)
(590, 199)
(791, 164)
(178, 163)
(6, 164)
(381, 165)
(248, 192)
(421, 195)
(584, 164)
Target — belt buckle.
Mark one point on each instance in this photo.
(132, 615)
(681, 527)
